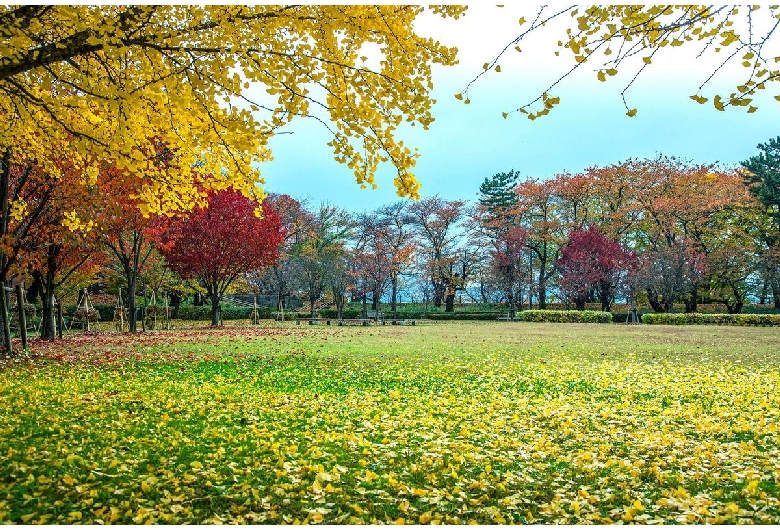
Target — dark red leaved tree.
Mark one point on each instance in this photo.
(217, 244)
(591, 263)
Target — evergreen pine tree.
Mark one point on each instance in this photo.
(497, 196)
(764, 174)
(763, 178)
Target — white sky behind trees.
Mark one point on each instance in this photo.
(467, 143)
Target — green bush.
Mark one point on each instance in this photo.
(347, 313)
(720, 319)
(30, 314)
(621, 317)
(195, 312)
(554, 315)
(235, 313)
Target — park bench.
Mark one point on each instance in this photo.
(314, 321)
(401, 322)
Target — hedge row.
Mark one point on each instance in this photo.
(554, 315)
(347, 313)
(433, 315)
(189, 312)
(723, 319)
(528, 315)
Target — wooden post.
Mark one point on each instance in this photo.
(121, 310)
(86, 305)
(22, 319)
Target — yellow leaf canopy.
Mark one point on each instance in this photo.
(115, 82)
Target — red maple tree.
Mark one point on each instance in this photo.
(590, 263)
(215, 245)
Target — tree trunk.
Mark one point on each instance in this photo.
(5, 316)
(542, 290)
(394, 294)
(449, 306)
(652, 298)
(280, 306)
(46, 286)
(776, 293)
(48, 322)
(34, 291)
(735, 307)
(339, 301)
(605, 298)
(280, 302)
(438, 293)
(542, 282)
(437, 300)
(763, 293)
(5, 181)
(579, 303)
(176, 301)
(215, 310)
(691, 301)
(510, 302)
(132, 316)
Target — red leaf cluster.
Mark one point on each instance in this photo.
(220, 242)
(589, 261)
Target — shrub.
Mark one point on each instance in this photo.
(105, 312)
(30, 313)
(621, 317)
(155, 311)
(720, 319)
(553, 315)
(245, 313)
(87, 314)
(194, 312)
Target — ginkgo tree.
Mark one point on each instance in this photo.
(117, 80)
(614, 38)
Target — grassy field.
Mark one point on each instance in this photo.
(454, 423)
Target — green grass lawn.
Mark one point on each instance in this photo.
(453, 422)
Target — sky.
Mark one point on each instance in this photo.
(468, 143)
